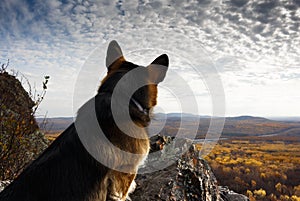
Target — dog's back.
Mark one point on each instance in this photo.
(67, 171)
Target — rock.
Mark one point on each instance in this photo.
(14, 96)
(177, 173)
(229, 195)
(3, 184)
(195, 180)
(20, 138)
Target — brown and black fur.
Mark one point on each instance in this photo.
(66, 171)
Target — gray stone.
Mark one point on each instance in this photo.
(187, 177)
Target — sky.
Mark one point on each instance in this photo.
(233, 57)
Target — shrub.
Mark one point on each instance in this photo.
(20, 138)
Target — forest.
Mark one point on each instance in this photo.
(263, 168)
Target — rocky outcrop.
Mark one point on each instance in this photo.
(229, 195)
(12, 92)
(188, 178)
(20, 138)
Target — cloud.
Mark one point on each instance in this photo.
(248, 40)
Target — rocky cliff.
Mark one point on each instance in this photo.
(20, 138)
(188, 178)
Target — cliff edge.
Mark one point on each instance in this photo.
(186, 178)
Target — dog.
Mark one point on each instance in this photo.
(69, 170)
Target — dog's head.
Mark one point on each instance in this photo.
(143, 99)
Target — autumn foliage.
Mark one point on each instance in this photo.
(259, 168)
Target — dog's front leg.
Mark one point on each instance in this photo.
(120, 185)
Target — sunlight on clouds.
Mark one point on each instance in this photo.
(254, 45)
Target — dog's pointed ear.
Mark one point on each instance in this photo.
(158, 69)
(114, 54)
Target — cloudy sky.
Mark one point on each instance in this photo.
(251, 47)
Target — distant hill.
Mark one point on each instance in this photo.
(54, 125)
(250, 118)
(292, 119)
(258, 126)
(239, 126)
